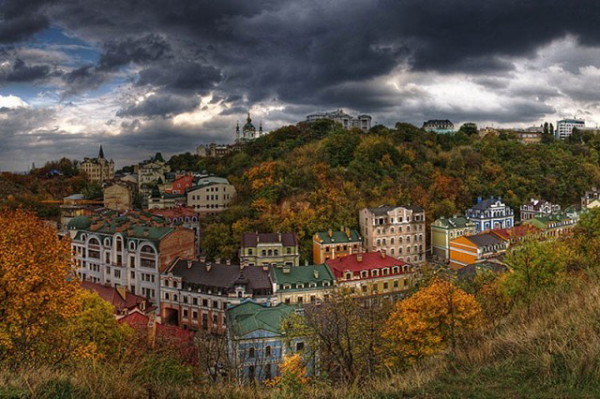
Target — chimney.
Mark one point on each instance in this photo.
(257, 237)
(286, 269)
(218, 260)
(189, 264)
(348, 232)
(330, 232)
(265, 268)
(279, 236)
(208, 267)
(383, 254)
(316, 273)
(151, 329)
(359, 257)
(244, 263)
(202, 258)
(228, 262)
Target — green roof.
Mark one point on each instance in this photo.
(338, 237)
(80, 223)
(457, 222)
(304, 275)
(543, 221)
(249, 316)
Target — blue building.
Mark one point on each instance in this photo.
(256, 340)
(491, 214)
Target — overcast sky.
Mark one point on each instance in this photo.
(141, 76)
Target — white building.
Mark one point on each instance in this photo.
(564, 127)
(491, 214)
(362, 122)
(248, 132)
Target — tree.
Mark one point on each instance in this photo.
(37, 290)
(429, 322)
(293, 375)
(217, 242)
(545, 131)
(470, 129)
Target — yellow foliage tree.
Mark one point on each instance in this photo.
(429, 321)
(293, 374)
(37, 287)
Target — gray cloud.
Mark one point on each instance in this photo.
(160, 105)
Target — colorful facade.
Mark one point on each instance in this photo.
(270, 249)
(444, 230)
(490, 214)
(334, 244)
(300, 285)
(472, 249)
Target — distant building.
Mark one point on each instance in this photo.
(373, 274)
(182, 183)
(471, 249)
(445, 230)
(257, 343)
(270, 249)
(553, 226)
(300, 285)
(181, 216)
(128, 250)
(119, 196)
(362, 122)
(98, 169)
(210, 195)
(248, 132)
(527, 137)
(438, 126)
(536, 208)
(195, 294)
(589, 198)
(334, 244)
(490, 214)
(150, 174)
(397, 230)
(72, 206)
(123, 301)
(564, 127)
(215, 150)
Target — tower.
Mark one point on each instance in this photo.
(101, 153)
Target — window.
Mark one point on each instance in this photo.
(268, 351)
(299, 346)
(251, 352)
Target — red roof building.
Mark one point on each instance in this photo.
(181, 184)
(517, 234)
(122, 300)
(373, 273)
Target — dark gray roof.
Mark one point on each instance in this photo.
(384, 209)
(485, 239)
(250, 240)
(484, 204)
(221, 276)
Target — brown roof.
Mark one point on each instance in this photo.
(252, 239)
(110, 294)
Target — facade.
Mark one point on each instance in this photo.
(256, 340)
(397, 230)
(151, 173)
(491, 214)
(472, 249)
(528, 137)
(119, 196)
(373, 274)
(589, 197)
(248, 132)
(302, 284)
(123, 301)
(564, 127)
(334, 244)
(98, 169)
(128, 250)
(362, 122)
(210, 195)
(196, 294)
(181, 216)
(73, 206)
(213, 150)
(270, 249)
(158, 200)
(438, 126)
(182, 183)
(445, 230)
(536, 208)
(553, 226)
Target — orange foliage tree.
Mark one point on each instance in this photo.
(429, 321)
(293, 374)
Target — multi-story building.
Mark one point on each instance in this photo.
(128, 250)
(123, 301)
(158, 200)
(196, 294)
(213, 150)
(119, 196)
(210, 195)
(491, 214)
(98, 169)
(302, 284)
(438, 126)
(553, 226)
(150, 174)
(589, 198)
(181, 184)
(257, 343)
(445, 230)
(333, 244)
(373, 274)
(564, 127)
(527, 137)
(362, 122)
(248, 132)
(270, 249)
(537, 208)
(75, 205)
(398, 230)
(181, 216)
(471, 249)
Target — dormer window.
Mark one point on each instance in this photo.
(375, 272)
(349, 276)
(364, 274)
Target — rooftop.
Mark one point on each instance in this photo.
(339, 236)
(369, 261)
(251, 240)
(121, 299)
(303, 275)
(249, 316)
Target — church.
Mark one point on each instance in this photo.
(248, 132)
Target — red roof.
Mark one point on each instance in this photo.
(111, 295)
(370, 260)
(517, 231)
(140, 321)
(178, 212)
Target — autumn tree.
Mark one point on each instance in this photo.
(429, 322)
(293, 375)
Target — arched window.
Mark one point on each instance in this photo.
(270, 252)
(147, 249)
(93, 241)
(264, 252)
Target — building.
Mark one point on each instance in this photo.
(302, 284)
(257, 344)
(119, 196)
(553, 226)
(536, 208)
(333, 244)
(490, 214)
(213, 150)
(123, 301)
(248, 132)
(516, 235)
(373, 274)
(158, 200)
(195, 294)
(438, 126)
(128, 250)
(590, 197)
(181, 184)
(400, 231)
(472, 249)
(564, 127)
(210, 195)
(445, 230)
(362, 122)
(181, 216)
(73, 206)
(270, 249)
(528, 137)
(151, 173)
(98, 169)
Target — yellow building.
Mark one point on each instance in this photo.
(445, 230)
(98, 169)
(334, 244)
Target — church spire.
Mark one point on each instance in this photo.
(101, 153)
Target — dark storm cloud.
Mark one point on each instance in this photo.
(161, 105)
(20, 19)
(138, 50)
(21, 72)
(84, 78)
(180, 76)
